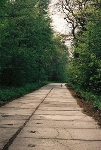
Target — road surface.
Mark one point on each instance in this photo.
(47, 119)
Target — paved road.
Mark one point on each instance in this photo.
(47, 119)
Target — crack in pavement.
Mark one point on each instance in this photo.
(57, 132)
(63, 145)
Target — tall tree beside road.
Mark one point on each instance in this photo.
(85, 66)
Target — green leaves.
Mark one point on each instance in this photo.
(28, 52)
(86, 68)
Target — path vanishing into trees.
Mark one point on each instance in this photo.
(47, 119)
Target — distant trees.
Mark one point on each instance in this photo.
(27, 48)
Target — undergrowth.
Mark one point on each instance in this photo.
(10, 93)
(96, 99)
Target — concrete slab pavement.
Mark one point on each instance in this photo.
(47, 119)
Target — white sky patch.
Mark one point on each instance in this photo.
(58, 22)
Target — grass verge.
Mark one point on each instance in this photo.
(10, 93)
(89, 96)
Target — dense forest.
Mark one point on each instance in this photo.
(84, 70)
(30, 53)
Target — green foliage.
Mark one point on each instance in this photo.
(27, 48)
(84, 70)
(7, 94)
(60, 61)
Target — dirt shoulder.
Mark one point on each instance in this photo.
(88, 107)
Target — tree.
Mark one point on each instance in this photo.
(76, 13)
(86, 68)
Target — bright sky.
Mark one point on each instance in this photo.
(59, 23)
